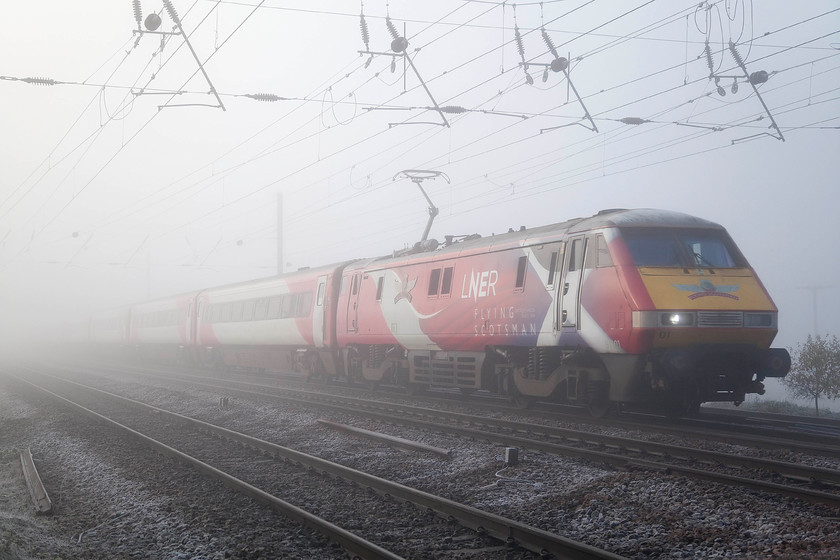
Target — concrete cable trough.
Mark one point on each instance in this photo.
(40, 498)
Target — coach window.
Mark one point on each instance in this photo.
(261, 309)
(288, 306)
(305, 305)
(446, 285)
(434, 282)
(380, 283)
(227, 310)
(520, 273)
(237, 311)
(248, 310)
(274, 307)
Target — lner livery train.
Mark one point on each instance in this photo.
(627, 306)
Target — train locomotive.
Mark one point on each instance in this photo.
(647, 307)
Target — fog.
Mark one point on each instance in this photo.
(112, 194)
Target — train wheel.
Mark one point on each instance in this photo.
(599, 399)
(686, 401)
(417, 389)
(522, 401)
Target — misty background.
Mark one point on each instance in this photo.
(124, 179)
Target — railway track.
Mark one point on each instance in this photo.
(813, 436)
(202, 438)
(812, 483)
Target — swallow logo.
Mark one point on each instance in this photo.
(405, 290)
(707, 289)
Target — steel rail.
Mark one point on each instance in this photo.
(799, 472)
(506, 530)
(349, 541)
(804, 444)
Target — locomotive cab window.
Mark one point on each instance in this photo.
(321, 288)
(598, 255)
(576, 255)
(434, 282)
(552, 269)
(604, 258)
(446, 283)
(682, 248)
(380, 283)
(520, 273)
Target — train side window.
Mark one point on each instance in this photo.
(380, 283)
(237, 311)
(520, 272)
(446, 284)
(604, 258)
(322, 287)
(227, 309)
(287, 306)
(274, 307)
(552, 268)
(261, 309)
(305, 307)
(434, 282)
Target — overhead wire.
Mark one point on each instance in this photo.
(136, 133)
(280, 179)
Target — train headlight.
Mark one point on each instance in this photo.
(677, 319)
(766, 320)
